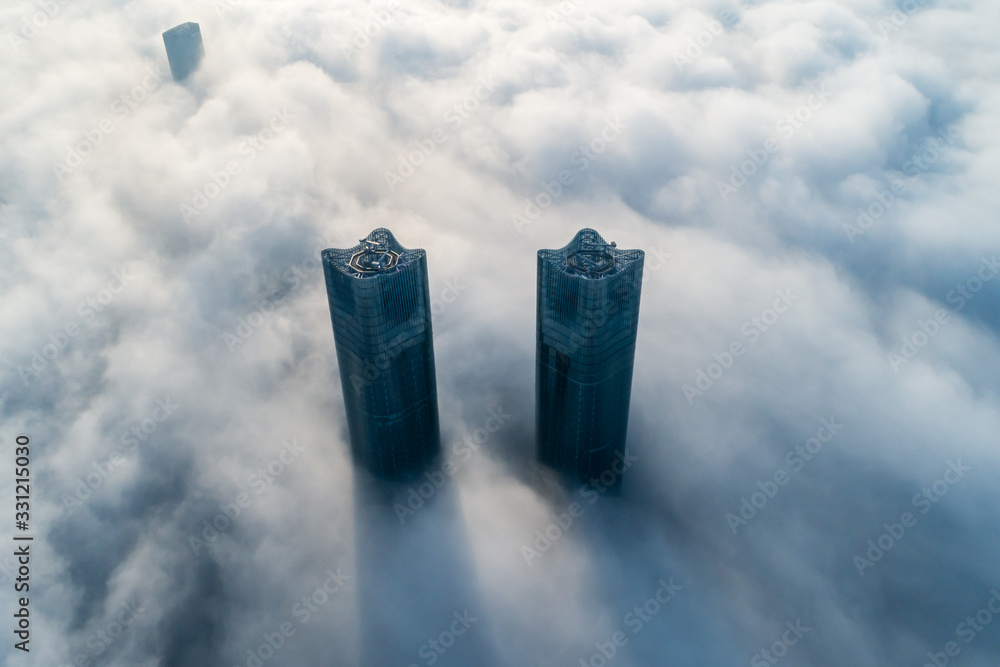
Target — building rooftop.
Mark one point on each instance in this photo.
(188, 29)
(376, 254)
(590, 256)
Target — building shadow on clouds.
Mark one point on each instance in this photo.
(660, 613)
(418, 595)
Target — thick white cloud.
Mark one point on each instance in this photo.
(159, 247)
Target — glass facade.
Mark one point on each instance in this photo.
(380, 306)
(184, 49)
(587, 319)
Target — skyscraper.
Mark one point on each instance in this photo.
(587, 318)
(184, 49)
(380, 306)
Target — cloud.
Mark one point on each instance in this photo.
(814, 186)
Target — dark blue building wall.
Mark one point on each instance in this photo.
(587, 319)
(382, 330)
(184, 49)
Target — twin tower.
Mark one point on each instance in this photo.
(587, 318)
